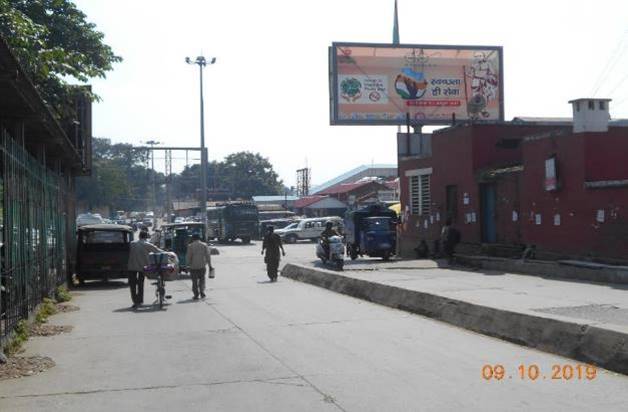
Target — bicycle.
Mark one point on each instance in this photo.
(158, 270)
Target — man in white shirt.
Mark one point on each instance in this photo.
(197, 258)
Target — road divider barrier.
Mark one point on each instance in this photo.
(585, 342)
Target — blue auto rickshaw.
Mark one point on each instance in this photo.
(175, 237)
(371, 231)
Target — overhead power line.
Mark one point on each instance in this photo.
(610, 63)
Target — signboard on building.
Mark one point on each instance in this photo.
(379, 84)
(551, 176)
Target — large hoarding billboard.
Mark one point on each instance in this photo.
(381, 84)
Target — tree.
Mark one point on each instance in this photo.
(242, 174)
(120, 178)
(54, 42)
(249, 174)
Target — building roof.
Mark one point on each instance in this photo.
(307, 201)
(21, 100)
(353, 175)
(560, 121)
(392, 184)
(589, 98)
(279, 198)
(344, 188)
(542, 120)
(327, 202)
(185, 204)
(618, 122)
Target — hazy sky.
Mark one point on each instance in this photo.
(268, 91)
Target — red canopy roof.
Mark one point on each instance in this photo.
(307, 201)
(345, 187)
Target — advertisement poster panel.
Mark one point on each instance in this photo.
(381, 84)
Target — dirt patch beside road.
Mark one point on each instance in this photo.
(17, 367)
(65, 307)
(49, 330)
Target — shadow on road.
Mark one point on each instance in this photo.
(321, 265)
(142, 309)
(232, 244)
(368, 261)
(190, 300)
(100, 285)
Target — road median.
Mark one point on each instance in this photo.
(584, 341)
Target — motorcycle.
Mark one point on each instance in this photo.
(336, 256)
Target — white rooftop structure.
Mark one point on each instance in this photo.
(590, 115)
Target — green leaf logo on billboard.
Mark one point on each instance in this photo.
(351, 89)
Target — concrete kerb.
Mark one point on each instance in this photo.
(548, 269)
(603, 347)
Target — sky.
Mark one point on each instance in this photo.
(268, 91)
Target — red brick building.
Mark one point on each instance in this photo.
(522, 182)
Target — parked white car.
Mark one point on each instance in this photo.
(308, 229)
(89, 219)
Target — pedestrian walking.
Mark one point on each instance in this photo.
(450, 237)
(272, 245)
(138, 258)
(198, 257)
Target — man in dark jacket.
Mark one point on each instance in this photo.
(450, 237)
(272, 245)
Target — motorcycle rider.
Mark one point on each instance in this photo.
(326, 234)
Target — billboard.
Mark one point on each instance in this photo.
(381, 84)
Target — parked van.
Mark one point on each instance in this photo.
(102, 251)
(308, 229)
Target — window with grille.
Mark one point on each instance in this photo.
(414, 195)
(426, 198)
(420, 194)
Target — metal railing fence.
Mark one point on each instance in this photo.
(32, 232)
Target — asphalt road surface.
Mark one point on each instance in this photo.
(286, 346)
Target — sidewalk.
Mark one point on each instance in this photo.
(584, 321)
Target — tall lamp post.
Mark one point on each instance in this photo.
(201, 61)
(152, 144)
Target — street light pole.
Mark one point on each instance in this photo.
(202, 62)
(152, 144)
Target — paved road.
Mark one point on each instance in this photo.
(253, 345)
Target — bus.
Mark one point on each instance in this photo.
(276, 214)
(231, 221)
